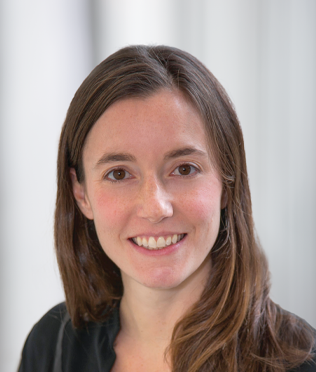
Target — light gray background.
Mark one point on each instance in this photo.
(262, 51)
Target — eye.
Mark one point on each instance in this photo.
(185, 170)
(117, 175)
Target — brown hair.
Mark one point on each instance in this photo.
(234, 326)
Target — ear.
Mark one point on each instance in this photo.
(80, 195)
(224, 199)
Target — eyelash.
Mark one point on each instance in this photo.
(196, 170)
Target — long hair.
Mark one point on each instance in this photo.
(234, 326)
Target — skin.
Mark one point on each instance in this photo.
(152, 199)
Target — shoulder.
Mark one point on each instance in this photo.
(49, 324)
(54, 343)
(40, 345)
(299, 334)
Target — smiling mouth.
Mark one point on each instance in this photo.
(151, 243)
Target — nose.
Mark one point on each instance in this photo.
(154, 202)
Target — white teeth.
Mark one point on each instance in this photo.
(168, 240)
(174, 239)
(152, 243)
(161, 242)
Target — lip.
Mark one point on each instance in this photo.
(158, 252)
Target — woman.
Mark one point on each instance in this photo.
(154, 232)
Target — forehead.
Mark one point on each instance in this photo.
(154, 124)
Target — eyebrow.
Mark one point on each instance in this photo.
(115, 156)
(183, 151)
(124, 156)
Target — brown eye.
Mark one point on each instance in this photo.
(117, 175)
(185, 169)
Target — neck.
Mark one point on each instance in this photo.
(149, 314)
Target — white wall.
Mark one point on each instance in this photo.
(45, 54)
(263, 52)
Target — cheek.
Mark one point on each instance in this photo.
(203, 204)
(203, 210)
(109, 210)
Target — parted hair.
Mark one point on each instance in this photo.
(234, 326)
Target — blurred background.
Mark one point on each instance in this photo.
(264, 54)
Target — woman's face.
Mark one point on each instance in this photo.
(149, 180)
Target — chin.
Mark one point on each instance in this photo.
(162, 278)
